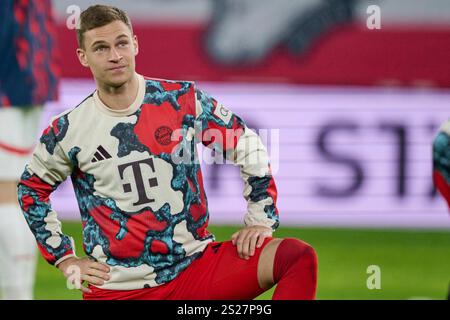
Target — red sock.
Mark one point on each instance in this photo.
(295, 271)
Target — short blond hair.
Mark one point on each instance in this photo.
(98, 16)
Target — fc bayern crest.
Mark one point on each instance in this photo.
(163, 134)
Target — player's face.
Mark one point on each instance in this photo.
(110, 53)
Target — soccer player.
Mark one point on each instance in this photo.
(130, 151)
(441, 161)
(441, 165)
(28, 79)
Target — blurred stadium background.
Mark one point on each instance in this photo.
(348, 114)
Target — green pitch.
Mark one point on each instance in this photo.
(413, 264)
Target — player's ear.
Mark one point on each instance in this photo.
(82, 57)
(136, 45)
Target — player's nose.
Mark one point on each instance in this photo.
(115, 56)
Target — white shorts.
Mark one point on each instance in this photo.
(19, 129)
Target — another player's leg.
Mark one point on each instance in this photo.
(17, 244)
(17, 254)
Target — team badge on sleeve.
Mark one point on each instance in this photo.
(223, 113)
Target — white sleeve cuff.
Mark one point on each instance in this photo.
(64, 259)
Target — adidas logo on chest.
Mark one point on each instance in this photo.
(100, 155)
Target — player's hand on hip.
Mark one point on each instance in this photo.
(84, 270)
(248, 239)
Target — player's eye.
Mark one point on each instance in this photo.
(100, 49)
(123, 44)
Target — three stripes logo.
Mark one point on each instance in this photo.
(101, 154)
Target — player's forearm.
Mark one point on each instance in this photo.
(261, 196)
(260, 189)
(34, 199)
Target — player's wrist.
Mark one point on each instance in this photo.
(63, 265)
(261, 227)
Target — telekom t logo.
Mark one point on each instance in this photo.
(139, 181)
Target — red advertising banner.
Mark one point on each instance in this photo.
(345, 42)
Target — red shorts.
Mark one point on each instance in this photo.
(219, 274)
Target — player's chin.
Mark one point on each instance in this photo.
(117, 80)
